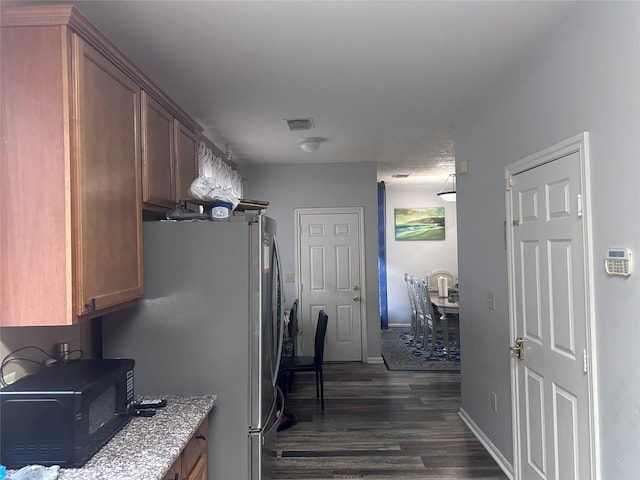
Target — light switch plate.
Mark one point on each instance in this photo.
(462, 167)
(491, 302)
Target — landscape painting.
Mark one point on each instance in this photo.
(419, 223)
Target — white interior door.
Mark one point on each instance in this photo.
(330, 280)
(550, 313)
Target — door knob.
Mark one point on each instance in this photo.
(356, 298)
(518, 348)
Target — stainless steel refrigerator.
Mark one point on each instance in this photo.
(211, 322)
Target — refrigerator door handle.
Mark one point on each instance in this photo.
(280, 412)
(263, 464)
(280, 339)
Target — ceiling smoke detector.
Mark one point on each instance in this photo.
(310, 144)
(300, 124)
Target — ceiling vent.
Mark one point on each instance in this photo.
(300, 124)
(400, 175)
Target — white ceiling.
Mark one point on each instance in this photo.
(383, 80)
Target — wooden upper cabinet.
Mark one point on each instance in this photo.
(186, 159)
(79, 124)
(70, 199)
(169, 157)
(107, 188)
(158, 174)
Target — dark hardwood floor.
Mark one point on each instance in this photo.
(380, 424)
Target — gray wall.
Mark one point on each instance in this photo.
(287, 187)
(585, 77)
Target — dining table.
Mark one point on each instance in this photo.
(445, 308)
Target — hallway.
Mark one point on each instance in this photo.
(380, 424)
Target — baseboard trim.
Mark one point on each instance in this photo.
(375, 360)
(484, 440)
(407, 325)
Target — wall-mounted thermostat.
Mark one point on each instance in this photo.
(618, 261)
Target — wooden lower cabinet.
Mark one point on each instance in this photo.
(192, 462)
(199, 472)
(175, 471)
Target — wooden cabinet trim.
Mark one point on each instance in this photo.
(47, 15)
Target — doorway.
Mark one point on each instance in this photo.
(329, 262)
(551, 314)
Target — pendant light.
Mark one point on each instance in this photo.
(448, 190)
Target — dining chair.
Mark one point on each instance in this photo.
(290, 365)
(292, 330)
(289, 344)
(429, 320)
(408, 280)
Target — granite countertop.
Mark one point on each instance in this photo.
(146, 447)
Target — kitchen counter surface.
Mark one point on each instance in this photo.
(146, 447)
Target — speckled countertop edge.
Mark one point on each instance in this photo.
(146, 447)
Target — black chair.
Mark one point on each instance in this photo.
(293, 326)
(291, 365)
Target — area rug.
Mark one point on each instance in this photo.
(400, 352)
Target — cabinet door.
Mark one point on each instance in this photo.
(174, 471)
(158, 183)
(199, 472)
(195, 449)
(106, 201)
(186, 159)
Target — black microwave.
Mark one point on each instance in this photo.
(64, 413)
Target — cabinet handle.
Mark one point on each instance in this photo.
(201, 437)
(176, 477)
(91, 306)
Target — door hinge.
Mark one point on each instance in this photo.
(579, 204)
(585, 365)
(508, 183)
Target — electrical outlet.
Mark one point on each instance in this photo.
(491, 302)
(9, 378)
(494, 402)
(289, 278)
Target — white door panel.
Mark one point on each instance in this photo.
(549, 303)
(329, 249)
